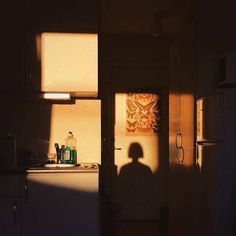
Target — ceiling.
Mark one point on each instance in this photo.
(154, 17)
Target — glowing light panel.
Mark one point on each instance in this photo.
(64, 96)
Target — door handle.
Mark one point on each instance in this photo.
(14, 212)
(118, 149)
(26, 193)
(102, 144)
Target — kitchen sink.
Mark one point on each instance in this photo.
(57, 165)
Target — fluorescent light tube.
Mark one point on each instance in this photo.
(57, 96)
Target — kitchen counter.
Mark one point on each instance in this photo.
(85, 167)
(80, 168)
(41, 200)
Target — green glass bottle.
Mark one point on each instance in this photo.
(67, 155)
(70, 152)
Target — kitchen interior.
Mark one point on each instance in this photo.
(114, 65)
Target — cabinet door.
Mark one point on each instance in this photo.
(10, 205)
(12, 46)
(9, 185)
(61, 204)
(9, 216)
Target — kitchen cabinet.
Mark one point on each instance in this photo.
(10, 216)
(12, 46)
(69, 63)
(10, 205)
(58, 62)
(61, 204)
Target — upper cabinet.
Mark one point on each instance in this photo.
(12, 46)
(21, 69)
(61, 48)
(69, 63)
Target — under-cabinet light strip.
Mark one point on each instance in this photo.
(64, 96)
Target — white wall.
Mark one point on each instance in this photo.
(83, 120)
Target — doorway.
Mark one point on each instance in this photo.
(135, 168)
(134, 121)
(136, 155)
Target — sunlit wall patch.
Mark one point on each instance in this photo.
(69, 63)
(142, 114)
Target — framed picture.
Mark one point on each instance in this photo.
(142, 114)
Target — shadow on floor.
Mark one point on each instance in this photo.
(139, 228)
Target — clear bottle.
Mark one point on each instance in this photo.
(70, 156)
(62, 154)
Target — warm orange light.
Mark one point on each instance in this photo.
(187, 128)
(83, 119)
(199, 156)
(181, 116)
(69, 63)
(149, 144)
(83, 182)
(200, 120)
(57, 96)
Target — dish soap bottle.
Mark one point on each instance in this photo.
(70, 150)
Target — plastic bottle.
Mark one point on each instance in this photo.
(70, 151)
(62, 154)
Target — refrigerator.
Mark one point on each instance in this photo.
(215, 161)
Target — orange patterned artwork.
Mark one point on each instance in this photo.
(142, 114)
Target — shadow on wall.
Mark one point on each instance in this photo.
(27, 123)
(136, 198)
(135, 192)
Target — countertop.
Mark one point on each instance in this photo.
(79, 168)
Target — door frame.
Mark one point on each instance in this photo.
(108, 88)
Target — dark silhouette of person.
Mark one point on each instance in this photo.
(135, 195)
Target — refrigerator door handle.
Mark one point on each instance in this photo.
(207, 143)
